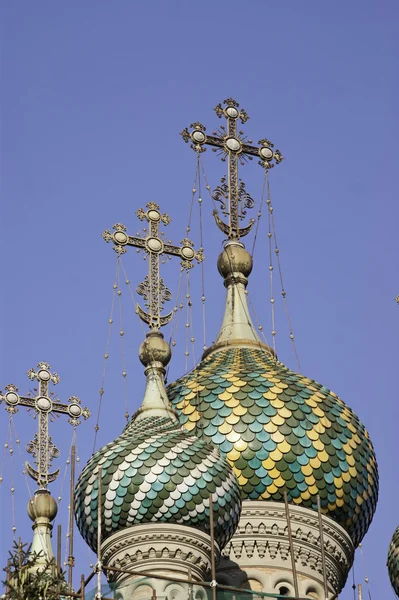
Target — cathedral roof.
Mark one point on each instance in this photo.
(280, 430)
(157, 471)
(393, 561)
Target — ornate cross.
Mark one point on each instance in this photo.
(234, 146)
(153, 288)
(42, 446)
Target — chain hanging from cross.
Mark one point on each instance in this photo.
(153, 288)
(233, 146)
(42, 446)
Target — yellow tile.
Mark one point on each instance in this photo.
(338, 482)
(232, 389)
(307, 470)
(276, 455)
(232, 419)
(312, 435)
(319, 427)
(233, 455)
(277, 419)
(353, 471)
(190, 425)
(279, 482)
(274, 473)
(284, 446)
(270, 395)
(270, 427)
(284, 412)
(318, 444)
(323, 456)
(272, 489)
(225, 396)
(277, 437)
(225, 428)
(233, 436)
(277, 403)
(315, 462)
(240, 383)
(268, 463)
(231, 402)
(240, 445)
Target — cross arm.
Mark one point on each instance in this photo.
(186, 252)
(44, 405)
(233, 144)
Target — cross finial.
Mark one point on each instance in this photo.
(233, 146)
(42, 446)
(152, 242)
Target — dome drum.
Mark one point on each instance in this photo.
(158, 548)
(259, 550)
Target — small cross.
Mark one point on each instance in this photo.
(153, 288)
(42, 446)
(235, 147)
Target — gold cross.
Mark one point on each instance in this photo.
(153, 288)
(235, 147)
(42, 446)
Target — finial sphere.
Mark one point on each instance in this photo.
(234, 259)
(42, 506)
(155, 349)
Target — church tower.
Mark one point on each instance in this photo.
(304, 462)
(158, 499)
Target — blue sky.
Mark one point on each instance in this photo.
(93, 98)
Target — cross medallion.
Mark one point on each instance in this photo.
(42, 446)
(234, 146)
(153, 288)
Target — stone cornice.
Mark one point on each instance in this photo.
(261, 540)
(159, 548)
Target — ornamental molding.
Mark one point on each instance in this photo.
(261, 542)
(158, 547)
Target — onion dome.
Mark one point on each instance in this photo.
(393, 561)
(156, 470)
(278, 429)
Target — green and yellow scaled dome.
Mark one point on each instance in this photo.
(279, 430)
(393, 561)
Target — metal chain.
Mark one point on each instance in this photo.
(106, 356)
(18, 443)
(269, 236)
(122, 336)
(283, 292)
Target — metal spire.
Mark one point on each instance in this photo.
(155, 352)
(42, 446)
(234, 146)
(153, 289)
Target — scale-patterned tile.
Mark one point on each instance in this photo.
(157, 471)
(305, 438)
(393, 561)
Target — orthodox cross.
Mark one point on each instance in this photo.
(42, 446)
(153, 288)
(234, 146)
